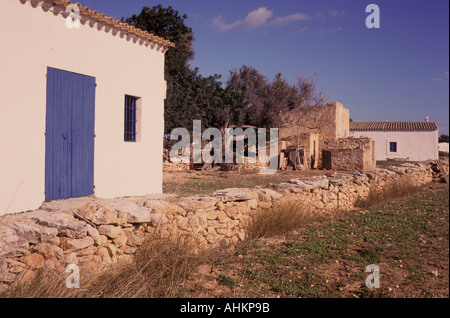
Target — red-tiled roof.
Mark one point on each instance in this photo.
(100, 17)
(394, 125)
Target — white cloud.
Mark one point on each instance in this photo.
(253, 20)
(282, 21)
(260, 17)
(337, 13)
(443, 77)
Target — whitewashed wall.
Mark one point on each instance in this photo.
(411, 145)
(33, 39)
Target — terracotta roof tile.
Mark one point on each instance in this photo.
(394, 125)
(116, 23)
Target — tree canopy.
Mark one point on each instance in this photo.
(246, 98)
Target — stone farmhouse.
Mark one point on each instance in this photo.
(82, 105)
(319, 137)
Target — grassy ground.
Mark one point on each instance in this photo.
(407, 238)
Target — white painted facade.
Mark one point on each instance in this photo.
(34, 36)
(443, 146)
(409, 145)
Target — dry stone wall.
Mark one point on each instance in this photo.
(94, 233)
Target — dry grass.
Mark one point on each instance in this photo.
(160, 266)
(280, 219)
(394, 189)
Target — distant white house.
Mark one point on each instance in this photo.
(82, 105)
(412, 141)
(443, 146)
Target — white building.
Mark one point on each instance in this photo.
(443, 146)
(82, 105)
(412, 141)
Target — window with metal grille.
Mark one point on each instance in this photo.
(130, 118)
(393, 147)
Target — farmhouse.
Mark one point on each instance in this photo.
(82, 105)
(319, 137)
(412, 141)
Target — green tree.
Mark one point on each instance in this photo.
(265, 101)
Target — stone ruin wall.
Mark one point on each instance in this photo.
(100, 232)
(350, 154)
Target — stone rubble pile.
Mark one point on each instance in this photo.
(94, 233)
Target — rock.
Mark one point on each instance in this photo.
(7, 277)
(157, 219)
(98, 214)
(336, 181)
(120, 240)
(93, 232)
(86, 251)
(71, 258)
(79, 244)
(48, 251)
(11, 244)
(110, 231)
(233, 194)
(112, 250)
(267, 194)
(66, 204)
(133, 212)
(30, 230)
(193, 204)
(302, 185)
(134, 239)
(164, 207)
(318, 182)
(64, 222)
(103, 253)
(252, 204)
(34, 260)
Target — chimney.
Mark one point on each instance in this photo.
(427, 119)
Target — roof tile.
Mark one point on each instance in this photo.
(100, 17)
(394, 125)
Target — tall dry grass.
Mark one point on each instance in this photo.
(393, 189)
(279, 219)
(158, 270)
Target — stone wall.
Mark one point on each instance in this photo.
(350, 154)
(94, 233)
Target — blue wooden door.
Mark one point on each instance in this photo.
(69, 147)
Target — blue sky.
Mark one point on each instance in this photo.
(399, 72)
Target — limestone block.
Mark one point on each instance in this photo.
(99, 214)
(235, 194)
(79, 244)
(110, 231)
(64, 222)
(11, 243)
(193, 204)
